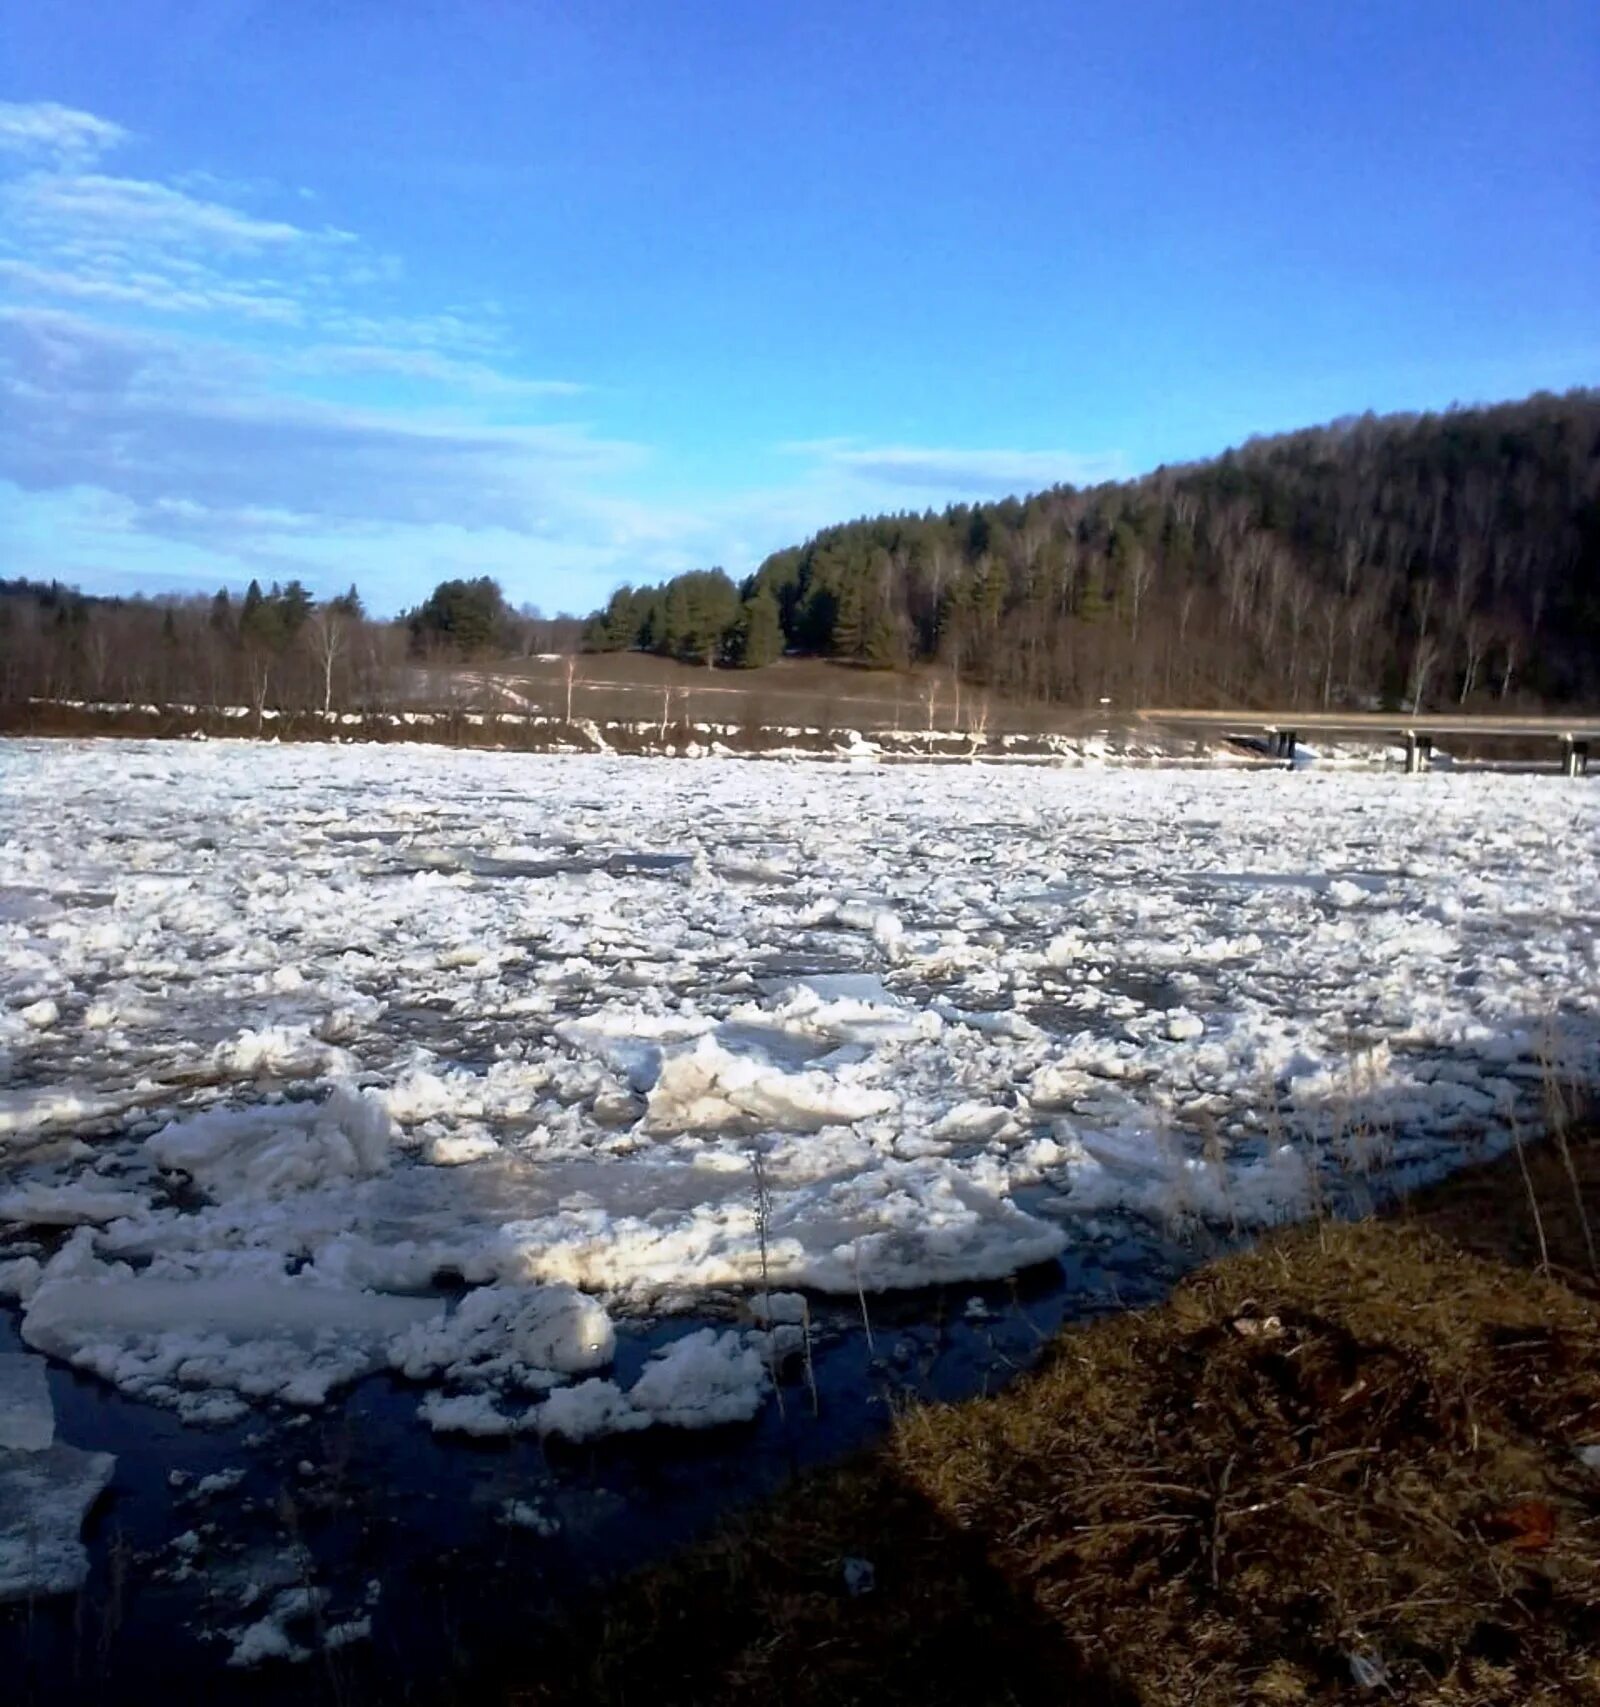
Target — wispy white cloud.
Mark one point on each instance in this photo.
(429, 367)
(193, 247)
(184, 294)
(157, 420)
(196, 381)
(55, 206)
(476, 332)
(228, 189)
(144, 245)
(45, 131)
(180, 362)
(975, 473)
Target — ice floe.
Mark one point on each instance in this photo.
(46, 1488)
(531, 1334)
(323, 1061)
(180, 1341)
(27, 1416)
(44, 1498)
(275, 1148)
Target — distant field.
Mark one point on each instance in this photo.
(794, 691)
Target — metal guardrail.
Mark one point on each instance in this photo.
(1576, 735)
(1583, 725)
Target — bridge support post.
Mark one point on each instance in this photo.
(1419, 752)
(1574, 756)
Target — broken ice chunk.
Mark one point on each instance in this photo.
(27, 1417)
(592, 1407)
(704, 1086)
(523, 1331)
(1184, 1027)
(44, 1497)
(264, 1339)
(68, 1205)
(273, 1150)
(701, 1380)
(470, 1413)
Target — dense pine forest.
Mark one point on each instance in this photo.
(1431, 560)
(1414, 559)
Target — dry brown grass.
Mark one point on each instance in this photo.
(1348, 1451)
(818, 692)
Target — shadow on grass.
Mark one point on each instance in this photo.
(1345, 1462)
(767, 1612)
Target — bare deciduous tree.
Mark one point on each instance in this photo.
(1475, 636)
(1424, 655)
(327, 634)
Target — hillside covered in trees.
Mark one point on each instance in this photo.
(1410, 559)
(1437, 560)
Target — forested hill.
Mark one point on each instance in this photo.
(1441, 559)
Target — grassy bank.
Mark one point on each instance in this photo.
(673, 731)
(1340, 1466)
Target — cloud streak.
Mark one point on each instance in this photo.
(59, 206)
(429, 367)
(976, 473)
(193, 376)
(45, 131)
(71, 232)
(186, 432)
(243, 385)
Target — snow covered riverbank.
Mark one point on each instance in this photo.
(290, 1034)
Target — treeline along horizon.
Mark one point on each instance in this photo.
(1430, 559)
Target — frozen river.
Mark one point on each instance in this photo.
(586, 1096)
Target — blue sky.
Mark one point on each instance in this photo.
(392, 290)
